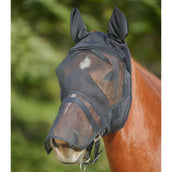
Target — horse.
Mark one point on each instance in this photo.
(106, 94)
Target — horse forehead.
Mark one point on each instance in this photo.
(88, 62)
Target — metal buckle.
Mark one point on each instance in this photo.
(85, 167)
(97, 138)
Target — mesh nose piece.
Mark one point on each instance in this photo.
(75, 123)
(80, 82)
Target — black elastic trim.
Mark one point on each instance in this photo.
(91, 103)
(101, 56)
(89, 148)
(96, 149)
(106, 49)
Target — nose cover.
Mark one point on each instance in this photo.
(79, 88)
(85, 111)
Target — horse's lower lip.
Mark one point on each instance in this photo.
(75, 162)
(69, 162)
(79, 159)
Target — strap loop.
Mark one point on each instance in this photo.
(96, 153)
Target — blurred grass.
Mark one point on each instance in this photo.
(40, 39)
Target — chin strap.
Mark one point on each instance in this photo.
(96, 154)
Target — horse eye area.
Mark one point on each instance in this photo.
(110, 76)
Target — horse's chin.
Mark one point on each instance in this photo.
(65, 154)
(70, 157)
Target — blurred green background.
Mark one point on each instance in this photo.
(40, 37)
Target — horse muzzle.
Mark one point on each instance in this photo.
(66, 153)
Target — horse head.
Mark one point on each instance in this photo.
(95, 81)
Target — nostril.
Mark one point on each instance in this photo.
(54, 143)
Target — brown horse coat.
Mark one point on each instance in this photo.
(137, 146)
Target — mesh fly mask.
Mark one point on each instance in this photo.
(103, 98)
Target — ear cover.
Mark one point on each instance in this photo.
(77, 26)
(118, 26)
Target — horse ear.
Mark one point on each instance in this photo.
(77, 26)
(118, 26)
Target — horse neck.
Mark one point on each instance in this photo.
(136, 147)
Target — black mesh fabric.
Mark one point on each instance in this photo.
(79, 82)
(95, 82)
(87, 87)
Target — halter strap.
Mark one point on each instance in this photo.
(96, 152)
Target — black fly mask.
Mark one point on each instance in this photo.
(103, 98)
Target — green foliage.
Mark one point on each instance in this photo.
(40, 39)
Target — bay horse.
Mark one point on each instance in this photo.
(105, 93)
